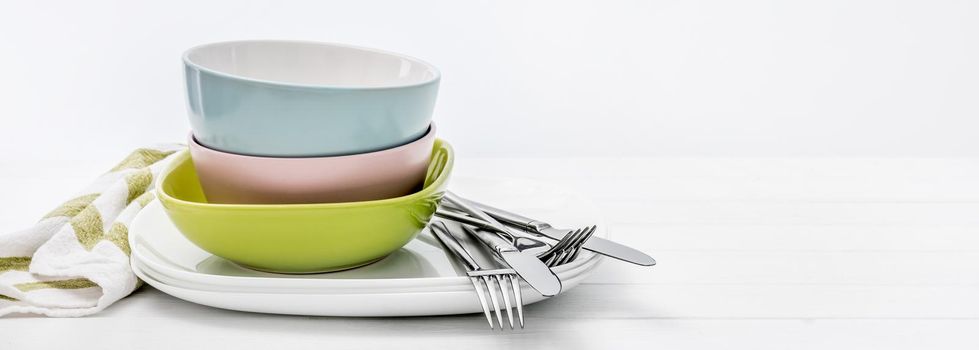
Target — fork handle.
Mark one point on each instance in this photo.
(442, 233)
(456, 216)
(491, 240)
(466, 206)
(506, 216)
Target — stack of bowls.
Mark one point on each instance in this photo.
(306, 157)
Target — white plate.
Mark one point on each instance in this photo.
(420, 303)
(419, 279)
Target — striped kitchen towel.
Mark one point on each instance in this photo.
(75, 261)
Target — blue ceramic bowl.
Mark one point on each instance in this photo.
(304, 99)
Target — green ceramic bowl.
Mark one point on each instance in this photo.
(301, 238)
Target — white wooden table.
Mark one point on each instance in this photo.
(753, 254)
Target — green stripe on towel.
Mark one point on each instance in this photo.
(138, 182)
(119, 235)
(77, 283)
(141, 158)
(73, 206)
(88, 227)
(19, 263)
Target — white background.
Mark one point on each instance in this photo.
(602, 78)
(809, 225)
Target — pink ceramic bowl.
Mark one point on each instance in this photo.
(230, 178)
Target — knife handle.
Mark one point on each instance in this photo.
(491, 240)
(511, 217)
(470, 209)
(442, 233)
(449, 213)
(506, 216)
(463, 218)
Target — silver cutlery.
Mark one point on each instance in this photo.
(562, 252)
(483, 279)
(524, 241)
(595, 244)
(464, 205)
(567, 249)
(538, 275)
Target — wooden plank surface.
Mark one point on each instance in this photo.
(753, 253)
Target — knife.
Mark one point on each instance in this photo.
(526, 265)
(451, 213)
(595, 244)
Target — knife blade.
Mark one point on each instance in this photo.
(525, 265)
(613, 250)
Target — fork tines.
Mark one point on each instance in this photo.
(506, 282)
(567, 249)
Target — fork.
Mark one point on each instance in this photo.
(540, 228)
(522, 240)
(567, 249)
(564, 251)
(481, 279)
(531, 225)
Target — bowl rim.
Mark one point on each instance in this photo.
(193, 142)
(436, 74)
(184, 156)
